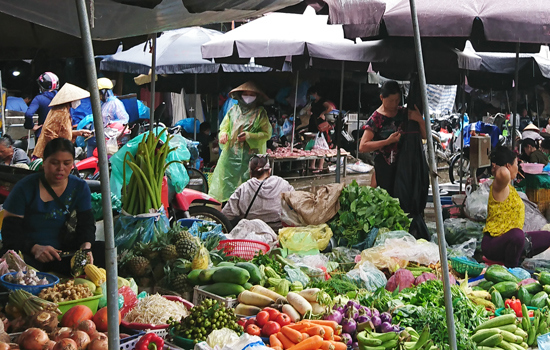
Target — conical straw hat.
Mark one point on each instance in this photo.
(249, 86)
(531, 127)
(69, 93)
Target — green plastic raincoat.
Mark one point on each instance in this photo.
(232, 168)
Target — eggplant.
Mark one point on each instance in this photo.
(346, 339)
(334, 315)
(385, 317)
(349, 325)
(386, 327)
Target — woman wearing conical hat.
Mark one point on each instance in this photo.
(243, 133)
(58, 121)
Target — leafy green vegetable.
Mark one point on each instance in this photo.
(363, 208)
(336, 285)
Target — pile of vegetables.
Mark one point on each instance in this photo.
(307, 335)
(363, 208)
(267, 322)
(503, 332)
(28, 278)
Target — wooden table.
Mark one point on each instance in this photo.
(343, 154)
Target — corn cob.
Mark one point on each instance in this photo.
(95, 274)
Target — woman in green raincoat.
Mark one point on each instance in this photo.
(243, 132)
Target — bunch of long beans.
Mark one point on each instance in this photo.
(143, 192)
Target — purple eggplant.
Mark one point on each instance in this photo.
(339, 307)
(351, 312)
(353, 303)
(376, 322)
(396, 328)
(362, 319)
(346, 339)
(355, 345)
(386, 327)
(375, 312)
(364, 311)
(385, 317)
(349, 325)
(334, 315)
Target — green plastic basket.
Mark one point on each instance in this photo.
(184, 343)
(462, 266)
(91, 302)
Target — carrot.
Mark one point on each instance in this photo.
(338, 345)
(300, 326)
(331, 324)
(274, 341)
(314, 342)
(329, 333)
(292, 334)
(315, 330)
(305, 336)
(327, 345)
(287, 344)
(277, 348)
(337, 338)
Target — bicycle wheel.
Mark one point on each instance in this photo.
(455, 170)
(197, 180)
(206, 213)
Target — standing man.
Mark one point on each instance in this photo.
(48, 84)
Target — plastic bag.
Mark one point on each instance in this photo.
(140, 228)
(314, 208)
(376, 255)
(304, 239)
(289, 216)
(103, 299)
(220, 337)
(475, 205)
(367, 275)
(460, 230)
(314, 266)
(466, 249)
(247, 342)
(295, 274)
(111, 146)
(176, 172)
(203, 229)
(534, 220)
(543, 341)
(255, 230)
(383, 236)
(143, 110)
(97, 205)
(320, 142)
(520, 273)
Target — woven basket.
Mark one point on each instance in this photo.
(462, 266)
(541, 197)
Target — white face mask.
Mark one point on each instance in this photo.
(75, 104)
(249, 99)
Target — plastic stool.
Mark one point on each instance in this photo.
(491, 262)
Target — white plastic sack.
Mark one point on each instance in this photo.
(370, 276)
(320, 142)
(534, 220)
(475, 205)
(255, 230)
(247, 342)
(410, 249)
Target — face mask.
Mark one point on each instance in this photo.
(249, 99)
(75, 104)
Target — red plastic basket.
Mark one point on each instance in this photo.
(243, 248)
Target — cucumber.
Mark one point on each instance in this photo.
(509, 328)
(546, 288)
(506, 289)
(231, 274)
(225, 263)
(524, 296)
(497, 274)
(534, 287)
(478, 288)
(502, 320)
(247, 286)
(224, 289)
(539, 299)
(205, 276)
(483, 334)
(506, 346)
(486, 285)
(492, 341)
(496, 299)
(253, 270)
(193, 276)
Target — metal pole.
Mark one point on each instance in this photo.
(110, 249)
(195, 112)
(515, 99)
(537, 106)
(435, 185)
(358, 114)
(339, 125)
(295, 108)
(461, 163)
(153, 83)
(3, 107)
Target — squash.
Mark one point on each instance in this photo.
(100, 319)
(75, 315)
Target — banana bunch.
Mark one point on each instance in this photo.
(501, 332)
(419, 342)
(532, 329)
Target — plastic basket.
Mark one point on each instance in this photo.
(499, 311)
(199, 295)
(91, 302)
(184, 343)
(242, 248)
(31, 289)
(462, 266)
(130, 342)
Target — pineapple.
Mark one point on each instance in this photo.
(79, 260)
(201, 259)
(179, 282)
(183, 235)
(150, 250)
(139, 266)
(186, 248)
(169, 252)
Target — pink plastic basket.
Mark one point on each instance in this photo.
(532, 168)
(243, 248)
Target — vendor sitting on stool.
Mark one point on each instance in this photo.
(533, 154)
(38, 207)
(504, 239)
(259, 197)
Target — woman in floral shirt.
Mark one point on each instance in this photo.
(383, 131)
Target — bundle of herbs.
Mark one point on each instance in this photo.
(424, 305)
(363, 208)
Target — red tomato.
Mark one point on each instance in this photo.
(270, 328)
(242, 322)
(262, 318)
(249, 322)
(273, 313)
(252, 329)
(283, 319)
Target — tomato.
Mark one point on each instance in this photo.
(283, 319)
(262, 318)
(252, 329)
(242, 322)
(273, 313)
(270, 328)
(249, 322)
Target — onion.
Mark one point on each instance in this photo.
(334, 315)
(87, 326)
(98, 344)
(386, 327)
(65, 344)
(49, 345)
(376, 322)
(33, 339)
(349, 325)
(346, 339)
(61, 333)
(4, 346)
(385, 317)
(81, 338)
(97, 335)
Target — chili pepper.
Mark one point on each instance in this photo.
(514, 304)
(150, 341)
